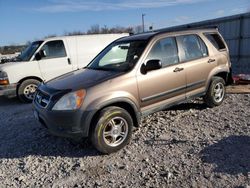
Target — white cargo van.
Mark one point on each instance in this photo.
(46, 59)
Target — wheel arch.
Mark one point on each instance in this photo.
(222, 74)
(28, 78)
(126, 104)
(210, 96)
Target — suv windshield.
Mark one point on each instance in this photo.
(119, 56)
(29, 51)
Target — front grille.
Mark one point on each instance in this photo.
(42, 99)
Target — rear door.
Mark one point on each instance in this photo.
(167, 85)
(198, 63)
(56, 61)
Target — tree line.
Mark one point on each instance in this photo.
(11, 49)
(94, 29)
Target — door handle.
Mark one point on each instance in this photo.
(69, 62)
(177, 69)
(211, 60)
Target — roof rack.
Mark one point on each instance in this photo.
(185, 27)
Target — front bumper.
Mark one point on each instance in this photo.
(8, 90)
(69, 124)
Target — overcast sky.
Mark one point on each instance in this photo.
(28, 20)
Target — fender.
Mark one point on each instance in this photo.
(215, 71)
(89, 114)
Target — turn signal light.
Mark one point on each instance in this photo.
(80, 96)
(4, 82)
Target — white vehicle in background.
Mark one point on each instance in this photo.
(49, 58)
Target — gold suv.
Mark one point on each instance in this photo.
(133, 77)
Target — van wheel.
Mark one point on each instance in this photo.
(27, 89)
(216, 92)
(112, 130)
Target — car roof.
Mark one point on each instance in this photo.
(149, 35)
(136, 37)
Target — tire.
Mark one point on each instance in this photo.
(106, 134)
(26, 90)
(216, 92)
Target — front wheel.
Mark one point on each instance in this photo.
(27, 89)
(216, 92)
(112, 130)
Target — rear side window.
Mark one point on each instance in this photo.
(216, 40)
(54, 49)
(166, 51)
(192, 47)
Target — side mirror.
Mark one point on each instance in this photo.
(153, 64)
(39, 55)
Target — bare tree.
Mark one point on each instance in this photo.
(94, 29)
(104, 29)
(74, 33)
(12, 49)
(50, 36)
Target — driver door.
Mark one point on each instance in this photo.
(55, 60)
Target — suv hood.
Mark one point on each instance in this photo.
(81, 79)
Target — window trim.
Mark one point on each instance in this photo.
(181, 50)
(201, 40)
(220, 50)
(45, 42)
(163, 38)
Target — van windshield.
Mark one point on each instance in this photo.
(29, 51)
(119, 56)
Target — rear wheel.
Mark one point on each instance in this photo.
(27, 89)
(112, 130)
(216, 92)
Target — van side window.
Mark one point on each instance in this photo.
(216, 40)
(54, 49)
(166, 51)
(192, 46)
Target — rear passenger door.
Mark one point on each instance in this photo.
(166, 85)
(198, 64)
(56, 61)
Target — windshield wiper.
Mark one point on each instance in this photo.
(100, 68)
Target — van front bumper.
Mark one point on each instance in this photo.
(8, 90)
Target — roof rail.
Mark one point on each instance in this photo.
(185, 27)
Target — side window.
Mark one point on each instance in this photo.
(203, 47)
(54, 49)
(216, 40)
(166, 51)
(192, 46)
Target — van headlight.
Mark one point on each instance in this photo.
(4, 78)
(70, 101)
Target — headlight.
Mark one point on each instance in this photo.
(70, 101)
(4, 78)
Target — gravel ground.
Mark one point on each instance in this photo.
(187, 146)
